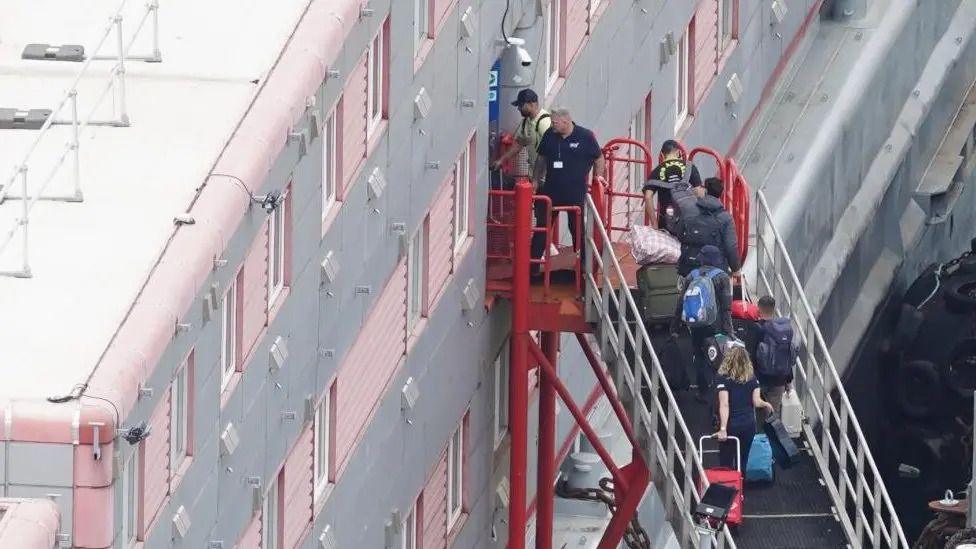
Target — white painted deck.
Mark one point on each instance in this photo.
(90, 259)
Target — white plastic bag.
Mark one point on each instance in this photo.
(653, 246)
(791, 413)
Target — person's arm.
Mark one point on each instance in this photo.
(512, 151)
(649, 207)
(725, 305)
(723, 414)
(600, 168)
(731, 245)
(695, 178)
(539, 172)
(758, 402)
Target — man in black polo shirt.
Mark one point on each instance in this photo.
(664, 177)
(567, 153)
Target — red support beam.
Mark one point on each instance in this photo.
(545, 491)
(518, 381)
(608, 388)
(619, 482)
(627, 502)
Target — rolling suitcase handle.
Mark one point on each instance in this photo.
(738, 450)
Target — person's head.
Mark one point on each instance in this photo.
(527, 102)
(670, 149)
(714, 187)
(767, 307)
(710, 256)
(736, 364)
(562, 121)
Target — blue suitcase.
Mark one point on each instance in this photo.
(759, 467)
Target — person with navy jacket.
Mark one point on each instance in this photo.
(738, 397)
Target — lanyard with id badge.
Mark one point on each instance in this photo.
(558, 163)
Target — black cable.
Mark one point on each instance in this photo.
(77, 392)
(118, 417)
(508, 5)
(238, 180)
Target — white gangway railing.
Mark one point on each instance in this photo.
(69, 102)
(831, 428)
(668, 447)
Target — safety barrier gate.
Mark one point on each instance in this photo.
(831, 428)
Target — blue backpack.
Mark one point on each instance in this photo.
(699, 306)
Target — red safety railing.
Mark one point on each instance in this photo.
(613, 156)
(501, 234)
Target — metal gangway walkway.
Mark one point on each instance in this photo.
(834, 496)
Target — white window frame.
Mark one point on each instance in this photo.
(129, 496)
(228, 334)
(375, 67)
(421, 20)
(321, 432)
(638, 132)
(410, 528)
(330, 164)
(462, 197)
(594, 6)
(416, 267)
(270, 508)
(277, 230)
(726, 24)
(500, 376)
(552, 42)
(455, 477)
(179, 416)
(681, 92)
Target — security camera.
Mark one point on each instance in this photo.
(135, 435)
(523, 56)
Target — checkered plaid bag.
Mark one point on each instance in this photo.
(653, 246)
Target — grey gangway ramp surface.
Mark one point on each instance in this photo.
(794, 511)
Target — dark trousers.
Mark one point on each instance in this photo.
(539, 238)
(704, 370)
(726, 450)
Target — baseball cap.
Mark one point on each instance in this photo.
(525, 96)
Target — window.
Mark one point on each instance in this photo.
(455, 476)
(681, 83)
(412, 526)
(179, 414)
(501, 372)
(375, 80)
(421, 18)
(271, 518)
(639, 132)
(726, 23)
(330, 172)
(552, 42)
(228, 335)
(416, 273)
(277, 252)
(321, 432)
(128, 495)
(462, 195)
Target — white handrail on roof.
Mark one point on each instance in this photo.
(671, 452)
(115, 82)
(842, 453)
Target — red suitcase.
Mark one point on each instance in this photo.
(728, 477)
(744, 310)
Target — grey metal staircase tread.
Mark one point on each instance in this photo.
(790, 533)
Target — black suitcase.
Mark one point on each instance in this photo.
(784, 449)
(674, 364)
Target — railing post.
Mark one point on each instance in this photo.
(547, 445)
(120, 72)
(599, 203)
(24, 221)
(75, 144)
(518, 378)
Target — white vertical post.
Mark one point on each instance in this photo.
(75, 144)
(157, 56)
(120, 73)
(24, 221)
(971, 512)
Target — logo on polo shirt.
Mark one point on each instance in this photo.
(574, 145)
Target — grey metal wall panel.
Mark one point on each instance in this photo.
(41, 464)
(62, 496)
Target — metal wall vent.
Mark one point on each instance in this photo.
(422, 104)
(467, 24)
(181, 523)
(327, 538)
(733, 89)
(279, 353)
(229, 440)
(47, 52)
(20, 119)
(375, 184)
(779, 10)
(470, 296)
(330, 268)
(409, 395)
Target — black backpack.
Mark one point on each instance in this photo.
(684, 203)
(776, 353)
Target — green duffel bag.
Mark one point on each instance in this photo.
(658, 285)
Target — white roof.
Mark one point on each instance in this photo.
(90, 259)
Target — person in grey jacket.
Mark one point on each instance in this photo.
(713, 225)
(711, 256)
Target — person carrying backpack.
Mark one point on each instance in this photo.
(712, 226)
(706, 309)
(673, 175)
(776, 354)
(536, 121)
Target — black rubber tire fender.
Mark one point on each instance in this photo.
(918, 388)
(909, 323)
(959, 372)
(960, 293)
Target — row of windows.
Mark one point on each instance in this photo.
(726, 27)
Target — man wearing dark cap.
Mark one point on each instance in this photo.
(710, 257)
(663, 179)
(535, 122)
